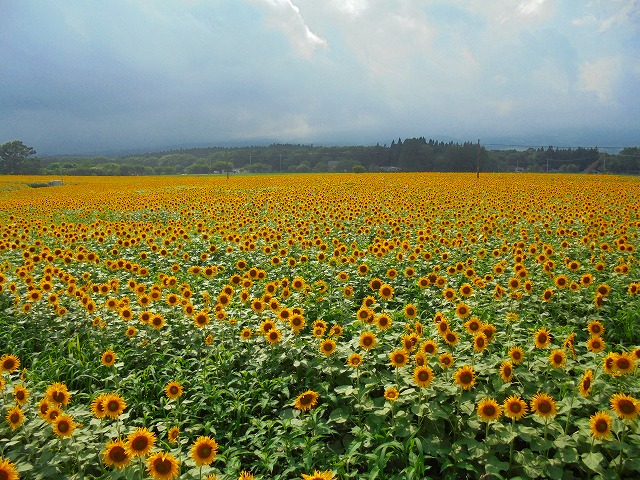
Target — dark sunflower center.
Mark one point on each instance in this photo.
(113, 406)
(466, 378)
(162, 465)
(544, 407)
(602, 426)
(423, 376)
(586, 384)
(623, 364)
(139, 443)
(15, 418)
(489, 410)
(626, 407)
(58, 397)
(204, 451)
(515, 408)
(117, 454)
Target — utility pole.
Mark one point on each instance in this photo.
(478, 161)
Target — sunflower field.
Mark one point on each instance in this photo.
(319, 327)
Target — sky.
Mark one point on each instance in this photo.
(91, 76)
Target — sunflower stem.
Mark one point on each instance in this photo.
(566, 425)
(513, 440)
(621, 450)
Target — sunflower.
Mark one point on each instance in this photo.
(52, 413)
(625, 406)
(204, 451)
(410, 311)
(446, 360)
(451, 338)
(115, 454)
(140, 442)
(442, 326)
(266, 326)
(113, 405)
(131, 332)
(163, 466)
(386, 291)
(489, 410)
(603, 289)
(15, 417)
(297, 323)
(429, 347)
(383, 321)
(368, 340)
(423, 376)
(354, 360)
(244, 475)
(465, 290)
(365, 314)
(273, 336)
(257, 305)
(516, 354)
(398, 358)
(98, 407)
(543, 405)
(506, 371)
(547, 295)
(473, 325)
(64, 425)
(514, 407)
(586, 383)
(328, 346)
(595, 328)
(108, 358)
(326, 475)
(608, 363)
(557, 358)
(201, 319)
(463, 310)
(58, 393)
(479, 342)
(391, 394)
(173, 390)
(306, 401)
(174, 434)
(465, 377)
(9, 363)
(409, 342)
(449, 294)
(335, 331)
(8, 470)
(600, 425)
(542, 338)
(595, 344)
(624, 363)
(20, 394)
(157, 321)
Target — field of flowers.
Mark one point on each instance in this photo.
(392, 326)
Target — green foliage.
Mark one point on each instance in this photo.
(14, 158)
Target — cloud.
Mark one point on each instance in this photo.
(285, 16)
(600, 77)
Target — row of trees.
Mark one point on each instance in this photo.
(412, 154)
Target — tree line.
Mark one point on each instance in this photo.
(410, 155)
